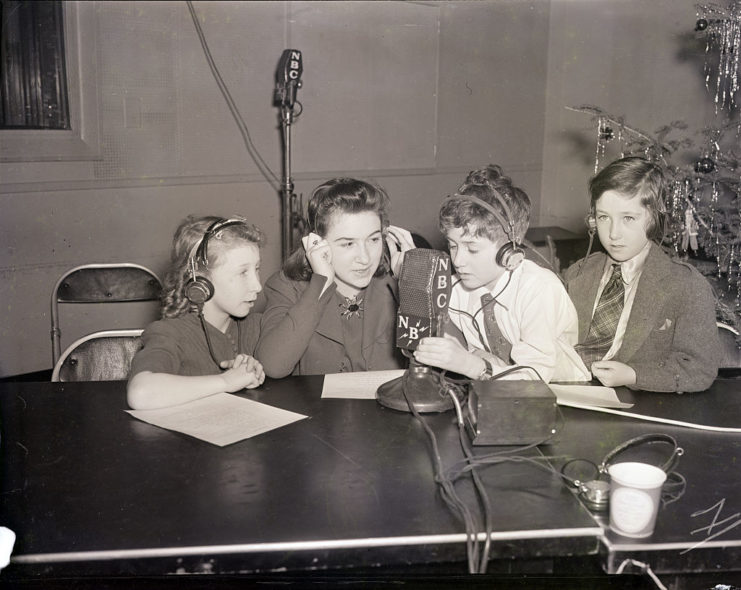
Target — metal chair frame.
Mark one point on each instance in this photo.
(70, 350)
(732, 353)
(149, 292)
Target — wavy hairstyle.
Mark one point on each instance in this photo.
(339, 195)
(634, 176)
(185, 243)
(492, 186)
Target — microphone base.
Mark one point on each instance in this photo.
(422, 390)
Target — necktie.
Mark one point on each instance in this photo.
(605, 320)
(499, 345)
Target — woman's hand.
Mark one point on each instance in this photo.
(613, 373)
(244, 371)
(399, 241)
(319, 255)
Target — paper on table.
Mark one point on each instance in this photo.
(581, 396)
(221, 419)
(359, 385)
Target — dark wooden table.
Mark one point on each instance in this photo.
(91, 491)
(701, 531)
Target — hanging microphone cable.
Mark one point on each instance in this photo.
(265, 170)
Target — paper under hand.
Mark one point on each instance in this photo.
(585, 396)
(359, 385)
(220, 419)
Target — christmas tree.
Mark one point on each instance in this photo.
(703, 205)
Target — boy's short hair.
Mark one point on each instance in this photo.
(490, 185)
(634, 176)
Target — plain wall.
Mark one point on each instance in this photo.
(634, 59)
(411, 95)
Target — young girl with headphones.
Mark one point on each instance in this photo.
(504, 310)
(205, 340)
(333, 306)
(658, 332)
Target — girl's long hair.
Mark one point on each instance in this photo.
(339, 195)
(185, 243)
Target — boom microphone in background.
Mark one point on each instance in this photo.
(287, 82)
(424, 292)
(288, 77)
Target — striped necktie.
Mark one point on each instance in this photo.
(605, 320)
(498, 344)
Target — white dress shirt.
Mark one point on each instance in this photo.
(535, 314)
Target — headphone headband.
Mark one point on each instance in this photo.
(201, 249)
(199, 289)
(671, 462)
(507, 224)
(510, 255)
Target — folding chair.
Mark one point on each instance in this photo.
(101, 283)
(731, 358)
(100, 356)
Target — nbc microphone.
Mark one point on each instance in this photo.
(288, 77)
(424, 292)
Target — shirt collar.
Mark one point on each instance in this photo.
(632, 268)
(504, 290)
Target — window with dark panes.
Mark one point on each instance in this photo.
(32, 66)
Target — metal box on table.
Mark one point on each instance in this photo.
(510, 412)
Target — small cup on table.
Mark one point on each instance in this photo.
(635, 496)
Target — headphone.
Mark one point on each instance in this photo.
(511, 254)
(199, 289)
(591, 222)
(595, 493)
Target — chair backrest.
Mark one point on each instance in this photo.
(101, 283)
(100, 356)
(731, 358)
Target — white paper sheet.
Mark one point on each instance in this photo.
(220, 419)
(360, 385)
(585, 396)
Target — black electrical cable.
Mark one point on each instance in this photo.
(449, 494)
(208, 337)
(244, 130)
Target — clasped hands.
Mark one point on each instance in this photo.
(244, 371)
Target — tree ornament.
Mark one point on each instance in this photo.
(723, 36)
(689, 235)
(606, 134)
(704, 165)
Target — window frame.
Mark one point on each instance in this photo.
(82, 140)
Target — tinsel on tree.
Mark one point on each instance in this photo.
(703, 204)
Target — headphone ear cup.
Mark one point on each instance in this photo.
(198, 290)
(591, 222)
(510, 256)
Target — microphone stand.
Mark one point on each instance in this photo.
(288, 81)
(288, 197)
(420, 386)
